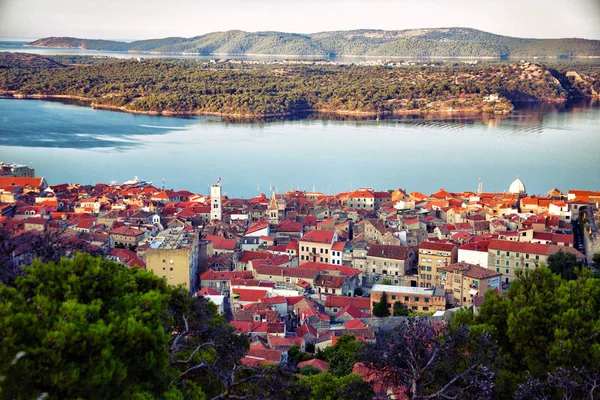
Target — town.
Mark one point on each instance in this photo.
(303, 268)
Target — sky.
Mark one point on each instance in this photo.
(144, 19)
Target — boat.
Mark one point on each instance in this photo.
(137, 182)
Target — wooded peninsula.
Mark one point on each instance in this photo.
(256, 90)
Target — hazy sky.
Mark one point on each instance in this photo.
(137, 19)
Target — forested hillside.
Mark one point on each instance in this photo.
(438, 42)
(239, 90)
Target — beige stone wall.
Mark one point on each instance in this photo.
(414, 302)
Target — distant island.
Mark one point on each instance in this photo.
(251, 89)
(433, 42)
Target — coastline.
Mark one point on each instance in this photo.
(167, 113)
(313, 56)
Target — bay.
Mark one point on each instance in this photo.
(546, 145)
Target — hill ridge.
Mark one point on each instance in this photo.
(422, 42)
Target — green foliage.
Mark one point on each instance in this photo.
(563, 264)
(88, 328)
(386, 281)
(543, 323)
(343, 355)
(326, 386)
(296, 355)
(358, 292)
(596, 260)
(381, 309)
(400, 310)
(309, 370)
(194, 87)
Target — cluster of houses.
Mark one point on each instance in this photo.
(303, 268)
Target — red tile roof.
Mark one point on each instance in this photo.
(208, 292)
(350, 310)
(319, 236)
(289, 226)
(249, 294)
(362, 303)
(222, 243)
(354, 324)
(274, 270)
(436, 246)
(470, 270)
(481, 245)
(316, 266)
(127, 231)
(257, 226)
(211, 275)
(330, 281)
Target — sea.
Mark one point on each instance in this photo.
(546, 145)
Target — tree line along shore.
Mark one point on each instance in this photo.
(195, 87)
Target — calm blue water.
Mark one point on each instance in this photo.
(547, 147)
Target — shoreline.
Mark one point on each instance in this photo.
(314, 56)
(167, 113)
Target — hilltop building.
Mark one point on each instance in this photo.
(175, 255)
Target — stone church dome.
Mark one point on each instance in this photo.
(517, 187)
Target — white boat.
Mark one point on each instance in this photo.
(137, 182)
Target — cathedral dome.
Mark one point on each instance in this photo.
(517, 187)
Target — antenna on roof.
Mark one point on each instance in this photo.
(163, 184)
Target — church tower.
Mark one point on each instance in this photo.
(215, 201)
(273, 211)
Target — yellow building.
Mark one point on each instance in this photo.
(415, 299)
(466, 281)
(174, 255)
(433, 255)
(316, 246)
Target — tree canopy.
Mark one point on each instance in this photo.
(381, 309)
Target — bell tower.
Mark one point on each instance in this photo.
(215, 201)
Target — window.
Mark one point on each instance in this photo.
(405, 298)
(498, 253)
(497, 261)
(507, 263)
(321, 251)
(302, 248)
(373, 270)
(425, 308)
(416, 299)
(415, 307)
(288, 280)
(507, 270)
(517, 263)
(457, 290)
(426, 299)
(393, 297)
(428, 268)
(422, 267)
(171, 269)
(497, 269)
(164, 269)
(164, 261)
(507, 253)
(422, 276)
(517, 254)
(302, 257)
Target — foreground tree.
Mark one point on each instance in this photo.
(325, 386)
(381, 308)
(86, 328)
(564, 265)
(542, 325)
(343, 355)
(95, 329)
(426, 361)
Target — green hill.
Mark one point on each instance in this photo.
(435, 42)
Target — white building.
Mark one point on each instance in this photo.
(474, 253)
(215, 202)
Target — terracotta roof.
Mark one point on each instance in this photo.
(481, 245)
(127, 231)
(222, 243)
(354, 324)
(257, 226)
(319, 236)
(532, 248)
(274, 270)
(330, 281)
(208, 292)
(362, 303)
(388, 251)
(350, 310)
(305, 329)
(344, 270)
(470, 270)
(249, 294)
(211, 275)
(289, 226)
(338, 246)
(436, 246)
